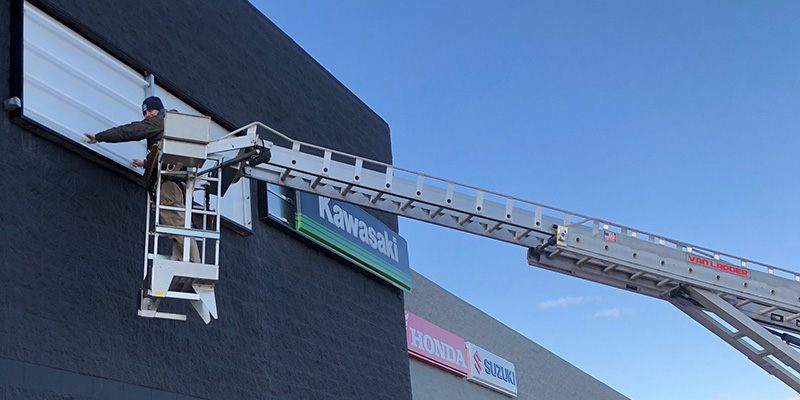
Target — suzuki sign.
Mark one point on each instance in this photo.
(435, 345)
(491, 371)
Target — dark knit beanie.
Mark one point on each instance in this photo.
(152, 103)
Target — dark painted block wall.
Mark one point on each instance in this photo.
(295, 323)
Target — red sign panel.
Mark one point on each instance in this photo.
(435, 345)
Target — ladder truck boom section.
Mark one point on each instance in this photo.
(739, 300)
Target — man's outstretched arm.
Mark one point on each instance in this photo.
(145, 129)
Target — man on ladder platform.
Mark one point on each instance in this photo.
(177, 144)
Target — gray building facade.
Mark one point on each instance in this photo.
(540, 374)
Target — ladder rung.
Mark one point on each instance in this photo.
(182, 295)
(171, 208)
(174, 173)
(162, 315)
(204, 212)
(743, 303)
(198, 233)
(554, 253)
(767, 310)
(194, 210)
(792, 317)
(406, 204)
(174, 295)
(582, 260)
(763, 353)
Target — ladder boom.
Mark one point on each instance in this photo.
(697, 280)
(467, 208)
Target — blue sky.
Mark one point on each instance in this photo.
(680, 118)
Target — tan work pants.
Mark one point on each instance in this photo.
(172, 195)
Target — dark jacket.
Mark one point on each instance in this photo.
(151, 129)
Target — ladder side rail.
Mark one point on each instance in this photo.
(690, 248)
(232, 143)
(427, 196)
(737, 260)
(677, 264)
(653, 285)
(635, 260)
(298, 146)
(767, 316)
(347, 181)
(445, 207)
(188, 199)
(251, 138)
(770, 345)
(228, 143)
(218, 217)
(157, 202)
(445, 218)
(147, 236)
(704, 251)
(610, 274)
(430, 206)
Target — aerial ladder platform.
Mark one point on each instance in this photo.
(754, 307)
(190, 272)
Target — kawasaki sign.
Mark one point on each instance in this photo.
(355, 234)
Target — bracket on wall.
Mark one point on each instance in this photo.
(12, 104)
(150, 90)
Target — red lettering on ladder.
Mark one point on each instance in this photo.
(718, 265)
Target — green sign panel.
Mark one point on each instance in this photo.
(357, 235)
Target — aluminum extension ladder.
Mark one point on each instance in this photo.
(165, 276)
(173, 276)
(736, 298)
